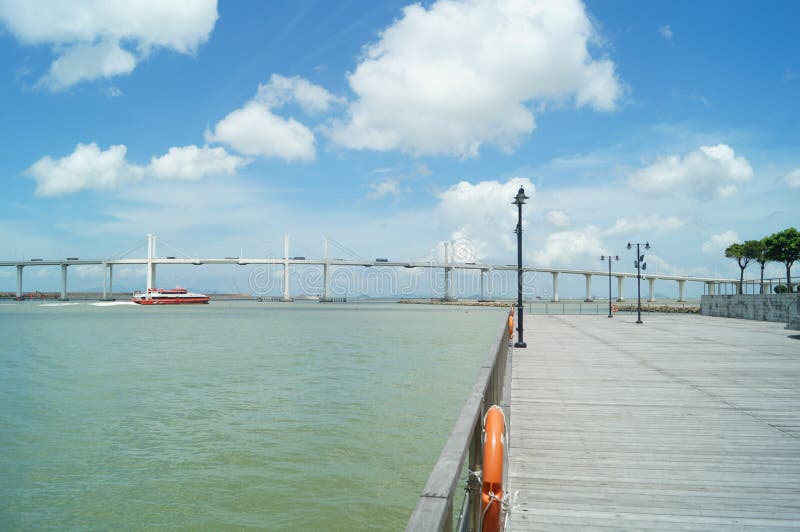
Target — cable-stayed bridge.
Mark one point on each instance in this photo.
(448, 265)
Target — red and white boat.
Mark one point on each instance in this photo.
(173, 296)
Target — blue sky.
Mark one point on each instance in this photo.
(392, 128)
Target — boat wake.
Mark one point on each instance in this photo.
(112, 303)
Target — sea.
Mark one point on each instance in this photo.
(232, 415)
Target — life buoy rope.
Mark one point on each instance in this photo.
(494, 441)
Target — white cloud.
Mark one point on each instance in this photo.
(86, 167)
(255, 130)
(112, 92)
(460, 74)
(558, 219)
(88, 62)
(709, 172)
(483, 213)
(88, 35)
(384, 187)
(565, 248)
(717, 243)
(666, 32)
(792, 179)
(282, 90)
(191, 162)
(651, 223)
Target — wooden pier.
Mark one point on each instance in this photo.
(680, 423)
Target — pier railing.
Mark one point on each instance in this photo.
(434, 510)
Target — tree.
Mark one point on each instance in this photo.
(737, 251)
(784, 247)
(758, 250)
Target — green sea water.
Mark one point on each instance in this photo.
(231, 415)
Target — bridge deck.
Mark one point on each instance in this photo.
(682, 423)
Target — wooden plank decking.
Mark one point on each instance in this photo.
(680, 423)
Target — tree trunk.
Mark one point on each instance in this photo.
(789, 277)
(762, 278)
(741, 279)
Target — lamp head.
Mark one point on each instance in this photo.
(629, 245)
(520, 198)
(647, 245)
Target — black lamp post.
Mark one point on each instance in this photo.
(639, 267)
(610, 258)
(519, 201)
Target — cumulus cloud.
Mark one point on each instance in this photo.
(89, 167)
(666, 32)
(717, 243)
(95, 39)
(792, 179)
(558, 219)
(86, 167)
(460, 74)
(192, 162)
(651, 223)
(482, 212)
(282, 90)
(384, 187)
(88, 62)
(565, 248)
(255, 130)
(709, 172)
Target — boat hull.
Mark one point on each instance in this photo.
(172, 296)
(171, 301)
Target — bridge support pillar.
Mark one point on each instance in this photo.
(108, 289)
(326, 283)
(151, 267)
(326, 279)
(652, 282)
(63, 283)
(448, 284)
(710, 285)
(681, 287)
(285, 297)
(555, 286)
(620, 282)
(588, 287)
(19, 281)
(482, 297)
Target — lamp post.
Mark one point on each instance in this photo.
(639, 267)
(519, 201)
(610, 258)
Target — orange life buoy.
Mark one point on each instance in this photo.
(511, 324)
(492, 483)
(614, 308)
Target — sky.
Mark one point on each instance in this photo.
(391, 128)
